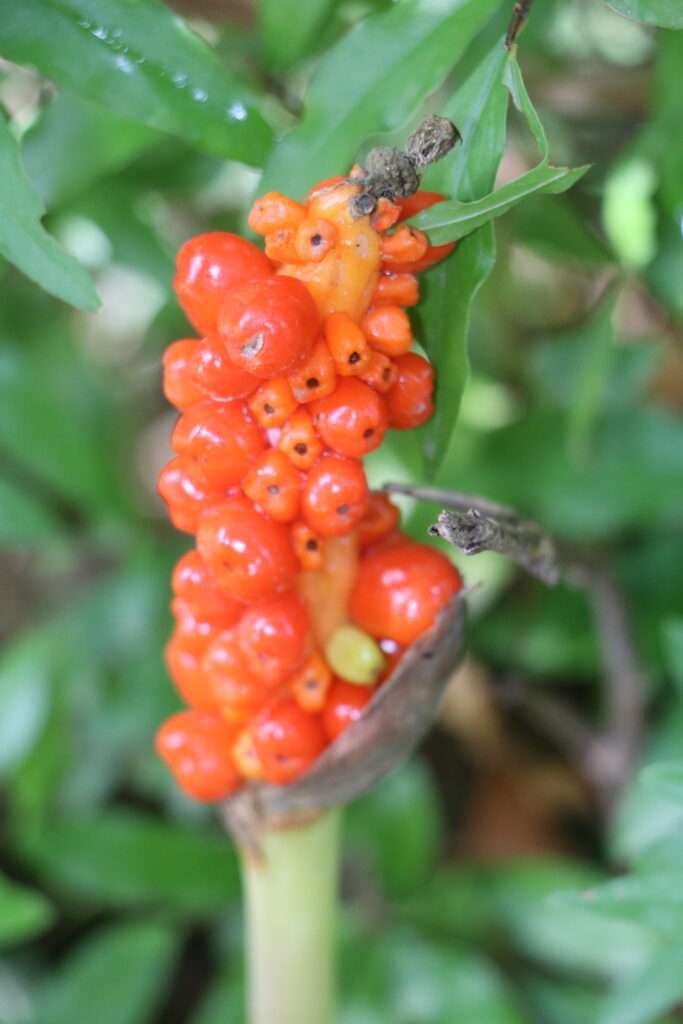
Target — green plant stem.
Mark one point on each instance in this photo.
(290, 907)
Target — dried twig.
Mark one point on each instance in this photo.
(520, 13)
(607, 754)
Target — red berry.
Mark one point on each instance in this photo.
(344, 705)
(193, 582)
(197, 629)
(274, 484)
(316, 377)
(380, 373)
(179, 388)
(216, 376)
(185, 493)
(287, 741)
(208, 267)
(222, 438)
(400, 588)
(196, 745)
(273, 403)
(380, 520)
(412, 205)
(409, 401)
(405, 247)
(352, 420)
(335, 496)
(250, 555)
(299, 441)
(234, 689)
(269, 325)
(273, 636)
(184, 664)
(396, 290)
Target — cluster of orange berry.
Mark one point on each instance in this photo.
(302, 593)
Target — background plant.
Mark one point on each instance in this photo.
(479, 880)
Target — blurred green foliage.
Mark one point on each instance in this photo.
(119, 901)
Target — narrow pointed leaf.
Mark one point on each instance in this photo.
(142, 62)
(373, 81)
(25, 242)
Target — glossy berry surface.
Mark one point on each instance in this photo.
(274, 483)
(344, 706)
(209, 266)
(193, 582)
(186, 495)
(269, 326)
(352, 420)
(179, 387)
(400, 589)
(249, 554)
(222, 439)
(274, 636)
(409, 400)
(216, 376)
(196, 747)
(335, 497)
(287, 741)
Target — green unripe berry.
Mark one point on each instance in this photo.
(354, 656)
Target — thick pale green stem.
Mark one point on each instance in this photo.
(290, 901)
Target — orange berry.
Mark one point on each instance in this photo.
(316, 377)
(310, 684)
(385, 214)
(381, 519)
(216, 376)
(396, 290)
(196, 746)
(287, 740)
(388, 330)
(410, 399)
(335, 496)
(352, 420)
(274, 211)
(269, 325)
(184, 666)
(412, 205)
(380, 373)
(222, 438)
(193, 582)
(245, 757)
(400, 588)
(347, 344)
(273, 636)
(314, 239)
(186, 495)
(327, 185)
(273, 403)
(250, 556)
(308, 547)
(281, 246)
(274, 484)
(235, 691)
(179, 388)
(406, 245)
(419, 201)
(209, 267)
(299, 440)
(344, 705)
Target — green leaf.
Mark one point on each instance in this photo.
(451, 220)
(593, 380)
(124, 858)
(68, 127)
(673, 636)
(290, 29)
(23, 912)
(373, 81)
(518, 90)
(397, 827)
(23, 519)
(451, 289)
(655, 988)
(628, 212)
(553, 228)
(26, 671)
(115, 977)
(665, 13)
(142, 62)
(24, 241)
(650, 812)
